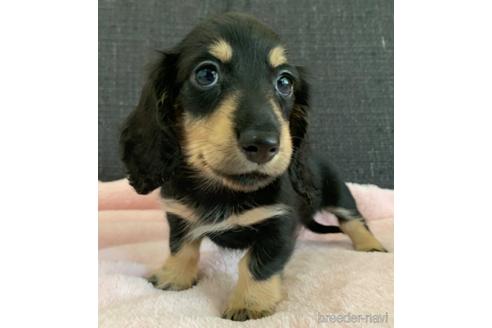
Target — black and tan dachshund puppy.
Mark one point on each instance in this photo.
(221, 129)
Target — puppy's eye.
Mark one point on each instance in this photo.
(206, 75)
(284, 85)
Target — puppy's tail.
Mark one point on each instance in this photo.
(319, 228)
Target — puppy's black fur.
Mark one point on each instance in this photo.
(217, 174)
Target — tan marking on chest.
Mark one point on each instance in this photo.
(178, 208)
(243, 219)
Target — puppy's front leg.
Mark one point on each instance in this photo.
(253, 298)
(258, 289)
(180, 270)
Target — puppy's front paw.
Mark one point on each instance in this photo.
(168, 279)
(243, 314)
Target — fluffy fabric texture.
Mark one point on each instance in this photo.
(325, 282)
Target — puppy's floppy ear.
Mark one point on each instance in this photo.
(299, 171)
(148, 142)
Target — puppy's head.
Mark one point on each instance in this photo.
(226, 102)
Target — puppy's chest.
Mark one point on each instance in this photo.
(205, 220)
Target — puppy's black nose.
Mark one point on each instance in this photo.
(259, 147)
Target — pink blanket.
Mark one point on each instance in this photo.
(325, 282)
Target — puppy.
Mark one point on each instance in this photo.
(221, 128)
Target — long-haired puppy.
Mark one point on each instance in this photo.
(221, 128)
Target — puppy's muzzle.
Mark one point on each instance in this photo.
(259, 147)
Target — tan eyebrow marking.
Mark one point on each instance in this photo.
(277, 57)
(221, 50)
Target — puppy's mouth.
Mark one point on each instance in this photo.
(251, 179)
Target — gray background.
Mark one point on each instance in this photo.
(346, 45)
